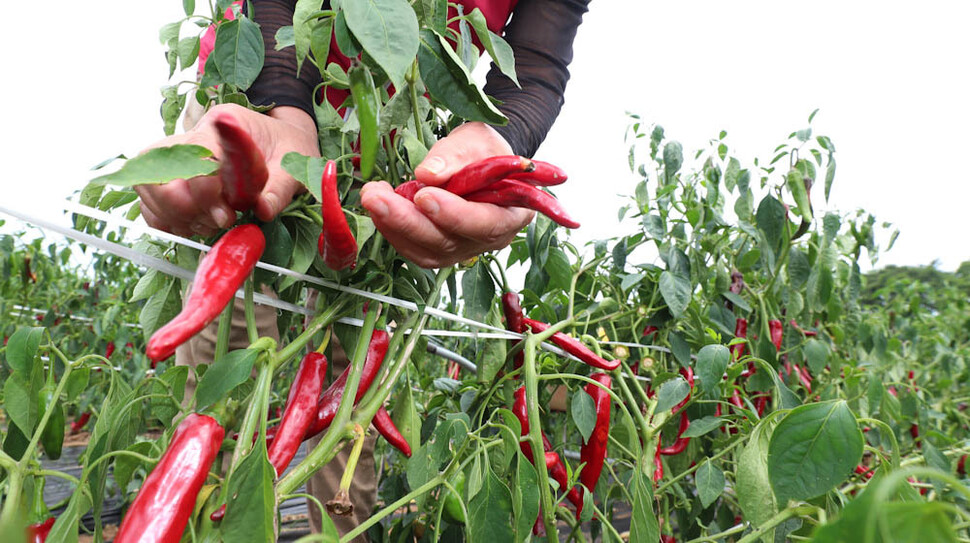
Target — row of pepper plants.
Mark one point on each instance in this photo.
(724, 380)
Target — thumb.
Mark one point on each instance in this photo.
(277, 194)
(439, 165)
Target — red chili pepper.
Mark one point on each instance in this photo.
(573, 346)
(382, 421)
(337, 245)
(740, 331)
(217, 278)
(658, 465)
(667, 539)
(78, 424)
(513, 322)
(544, 175)
(483, 173)
(37, 533)
(409, 188)
(961, 465)
(109, 350)
(688, 374)
(761, 403)
(805, 377)
(512, 193)
(775, 328)
(301, 409)
(680, 444)
(914, 432)
(165, 501)
(866, 472)
(242, 167)
(593, 452)
(648, 330)
(802, 331)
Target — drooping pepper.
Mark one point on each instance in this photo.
(914, 433)
(301, 409)
(593, 452)
(740, 331)
(109, 350)
(961, 465)
(242, 167)
(514, 193)
(452, 510)
(804, 332)
(166, 500)
(366, 106)
(337, 245)
(382, 421)
(219, 275)
(79, 423)
(775, 328)
(513, 322)
(658, 465)
(37, 533)
(573, 346)
(680, 444)
(481, 174)
(804, 377)
(544, 175)
(688, 374)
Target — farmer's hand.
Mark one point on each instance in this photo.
(196, 206)
(440, 228)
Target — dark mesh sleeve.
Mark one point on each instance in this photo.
(277, 82)
(541, 34)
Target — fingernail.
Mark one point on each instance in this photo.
(378, 208)
(220, 217)
(435, 165)
(427, 203)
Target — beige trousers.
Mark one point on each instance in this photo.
(323, 484)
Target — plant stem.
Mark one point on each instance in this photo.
(411, 78)
(250, 311)
(775, 521)
(321, 321)
(535, 436)
(222, 335)
(426, 487)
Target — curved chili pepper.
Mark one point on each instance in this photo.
(166, 500)
(242, 168)
(109, 350)
(409, 188)
(301, 408)
(658, 465)
(573, 346)
(914, 433)
(961, 465)
(688, 374)
(79, 423)
(481, 174)
(337, 245)
(740, 331)
(512, 193)
(382, 421)
(680, 444)
(365, 102)
(804, 377)
(37, 533)
(513, 322)
(775, 329)
(217, 278)
(802, 331)
(648, 330)
(866, 472)
(544, 175)
(593, 452)
(761, 403)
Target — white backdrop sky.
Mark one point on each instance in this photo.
(890, 78)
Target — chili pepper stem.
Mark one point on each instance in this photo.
(250, 311)
(411, 77)
(535, 434)
(254, 415)
(222, 335)
(321, 321)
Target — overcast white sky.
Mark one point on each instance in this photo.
(890, 78)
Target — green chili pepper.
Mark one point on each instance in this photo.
(52, 438)
(365, 102)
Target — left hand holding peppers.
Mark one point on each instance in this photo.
(440, 228)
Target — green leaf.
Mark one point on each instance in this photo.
(583, 411)
(306, 170)
(21, 404)
(559, 270)
(238, 52)
(671, 393)
(405, 415)
(829, 176)
(752, 482)
(673, 157)
(712, 361)
(388, 32)
(125, 466)
(22, 349)
(497, 48)
(303, 30)
(710, 482)
(676, 292)
(702, 426)
(160, 308)
(771, 221)
(65, 529)
(419, 468)
(525, 502)
(449, 82)
(171, 382)
(679, 348)
(477, 289)
(224, 375)
(817, 354)
(489, 511)
(813, 449)
(161, 165)
(731, 174)
(644, 527)
(251, 507)
(737, 300)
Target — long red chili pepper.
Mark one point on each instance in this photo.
(109, 350)
(242, 168)
(483, 173)
(409, 188)
(740, 331)
(658, 465)
(688, 374)
(510, 192)
(79, 423)
(804, 377)
(165, 502)
(513, 322)
(217, 278)
(866, 472)
(680, 444)
(775, 328)
(573, 346)
(301, 409)
(337, 245)
(593, 452)
(37, 533)
(558, 470)
(961, 465)
(544, 175)
(804, 332)
(914, 433)
(382, 421)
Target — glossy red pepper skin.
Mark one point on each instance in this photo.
(109, 350)
(513, 322)
(483, 173)
(573, 346)
(165, 502)
(680, 444)
(544, 175)
(914, 433)
(864, 471)
(382, 421)
(79, 423)
(409, 188)
(220, 273)
(775, 329)
(301, 409)
(37, 533)
(804, 332)
(593, 452)
(961, 465)
(804, 377)
(688, 374)
(242, 166)
(337, 245)
(658, 465)
(513, 193)
(740, 331)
